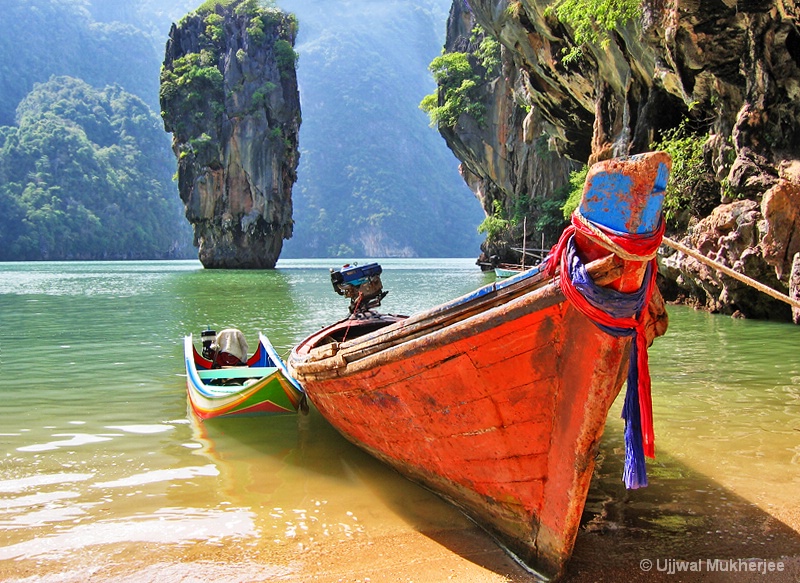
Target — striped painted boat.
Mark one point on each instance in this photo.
(497, 400)
(262, 386)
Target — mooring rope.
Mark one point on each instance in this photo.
(730, 272)
(627, 246)
(623, 315)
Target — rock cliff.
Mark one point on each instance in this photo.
(229, 97)
(725, 73)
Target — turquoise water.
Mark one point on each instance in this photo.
(104, 476)
(727, 403)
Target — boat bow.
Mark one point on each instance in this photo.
(497, 400)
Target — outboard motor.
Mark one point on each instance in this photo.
(362, 284)
(209, 337)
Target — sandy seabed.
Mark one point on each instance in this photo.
(684, 527)
(605, 551)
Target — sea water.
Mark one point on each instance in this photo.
(105, 476)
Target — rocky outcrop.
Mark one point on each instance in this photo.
(229, 97)
(758, 240)
(731, 236)
(780, 207)
(507, 156)
(728, 71)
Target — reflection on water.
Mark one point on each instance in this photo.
(104, 476)
(165, 526)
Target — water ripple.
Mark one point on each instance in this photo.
(36, 499)
(168, 525)
(161, 476)
(20, 484)
(142, 429)
(76, 440)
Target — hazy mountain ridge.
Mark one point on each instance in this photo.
(83, 176)
(374, 179)
(61, 37)
(85, 167)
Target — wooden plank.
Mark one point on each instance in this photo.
(237, 372)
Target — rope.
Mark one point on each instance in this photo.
(627, 246)
(622, 315)
(730, 272)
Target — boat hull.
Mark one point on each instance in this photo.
(497, 400)
(268, 389)
(482, 412)
(504, 270)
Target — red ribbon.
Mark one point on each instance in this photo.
(641, 245)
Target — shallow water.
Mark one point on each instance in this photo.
(104, 476)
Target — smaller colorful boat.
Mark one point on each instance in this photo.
(258, 385)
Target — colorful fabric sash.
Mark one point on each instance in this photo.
(621, 315)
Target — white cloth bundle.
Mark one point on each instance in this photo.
(233, 342)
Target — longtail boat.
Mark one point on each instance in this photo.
(497, 400)
(226, 384)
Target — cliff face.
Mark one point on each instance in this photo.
(229, 97)
(729, 71)
(507, 154)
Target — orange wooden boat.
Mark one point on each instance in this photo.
(497, 400)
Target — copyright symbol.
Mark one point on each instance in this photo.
(645, 564)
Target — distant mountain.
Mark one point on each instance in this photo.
(374, 179)
(83, 175)
(85, 166)
(63, 37)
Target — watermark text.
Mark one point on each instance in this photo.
(673, 566)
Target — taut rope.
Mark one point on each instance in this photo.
(730, 272)
(618, 243)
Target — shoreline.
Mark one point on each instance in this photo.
(683, 527)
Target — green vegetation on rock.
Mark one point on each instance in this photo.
(576, 183)
(194, 86)
(592, 21)
(192, 92)
(285, 56)
(494, 225)
(459, 77)
(248, 7)
(688, 169)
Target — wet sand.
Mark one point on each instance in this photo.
(682, 516)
